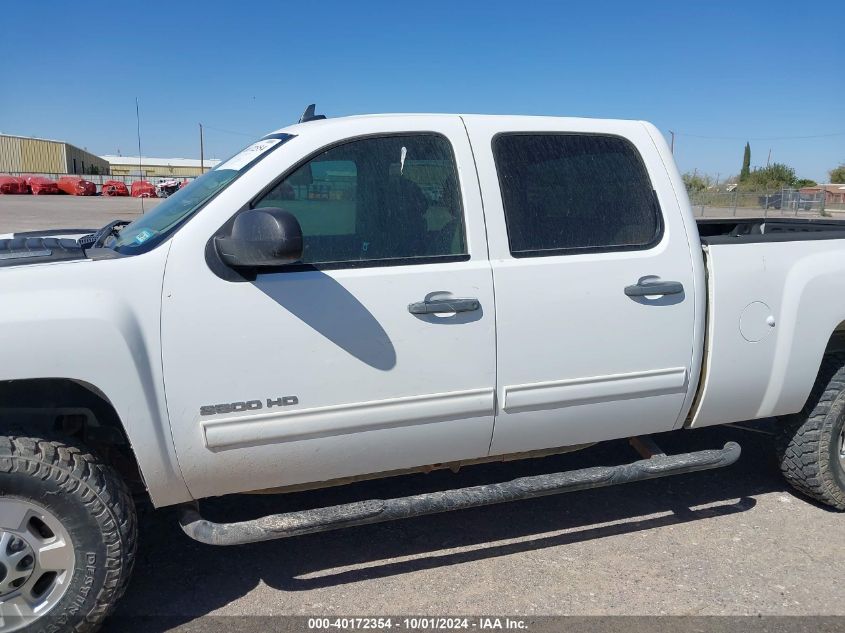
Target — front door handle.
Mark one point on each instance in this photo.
(652, 286)
(437, 306)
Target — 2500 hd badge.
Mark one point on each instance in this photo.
(247, 405)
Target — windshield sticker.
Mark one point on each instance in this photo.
(246, 156)
(143, 236)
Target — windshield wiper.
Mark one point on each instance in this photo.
(99, 237)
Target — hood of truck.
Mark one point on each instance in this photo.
(22, 250)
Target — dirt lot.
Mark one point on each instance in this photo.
(34, 213)
(729, 542)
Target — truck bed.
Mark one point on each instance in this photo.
(773, 306)
(756, 230)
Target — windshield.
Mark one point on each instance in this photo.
(154, 227)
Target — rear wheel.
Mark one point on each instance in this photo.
(67, 536)
(812, 443)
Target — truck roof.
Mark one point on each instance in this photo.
(299, 128)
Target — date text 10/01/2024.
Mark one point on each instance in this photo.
(418, 623)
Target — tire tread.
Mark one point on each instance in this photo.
(803, 444)
(78, 472)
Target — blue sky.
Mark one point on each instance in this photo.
(728, 71)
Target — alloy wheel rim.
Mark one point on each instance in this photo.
(842, 448)
(37, 560)
(17, 562)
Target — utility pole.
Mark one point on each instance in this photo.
(202, 157)
(769, 159)
(672, 144)
(140, 167)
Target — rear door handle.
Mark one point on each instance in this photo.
(436, 306)
(648, 287)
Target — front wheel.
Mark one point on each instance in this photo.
(67, 536)
(812, 442)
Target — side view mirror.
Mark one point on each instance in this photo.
(261, 238)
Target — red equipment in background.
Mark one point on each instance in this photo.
(9, 185)
(23, 186)
(143, 189)
(114, 188)
(41, 186)
(76, 186)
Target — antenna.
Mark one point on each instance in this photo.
(309, 115)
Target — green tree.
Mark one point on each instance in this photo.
(694, 182)
(775, 176)
(805, 182)
(837, 174)
(746, 163)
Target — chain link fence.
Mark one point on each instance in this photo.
(781, 203)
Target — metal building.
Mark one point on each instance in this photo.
(26, 155)
(158, 167)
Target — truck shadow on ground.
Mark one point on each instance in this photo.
(181, 580)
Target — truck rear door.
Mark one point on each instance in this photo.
(594, 280)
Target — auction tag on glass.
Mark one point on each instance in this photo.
(143, 236)
(249, 154)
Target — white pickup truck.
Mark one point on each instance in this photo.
(370, 296)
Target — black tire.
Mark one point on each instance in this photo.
(809, 445)
(93, 505)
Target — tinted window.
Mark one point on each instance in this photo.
(565, 193)
(387, 198)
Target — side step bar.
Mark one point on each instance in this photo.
(377, 510)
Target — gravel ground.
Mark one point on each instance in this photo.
(34, 213)
(730, 542)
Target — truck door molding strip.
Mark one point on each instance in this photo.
(563, 393)
(303, 424)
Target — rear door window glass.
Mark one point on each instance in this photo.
(574, 193)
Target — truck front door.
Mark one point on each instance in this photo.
(358, 360)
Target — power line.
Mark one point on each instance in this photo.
(217, 129)
(759, 138)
